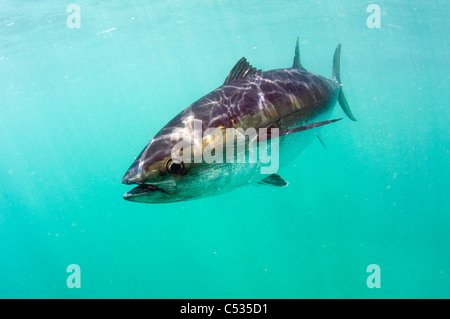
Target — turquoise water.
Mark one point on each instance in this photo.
(78, 104)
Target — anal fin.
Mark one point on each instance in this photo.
(320, 138)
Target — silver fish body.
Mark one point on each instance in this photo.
(292, 100)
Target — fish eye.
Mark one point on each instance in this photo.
(174, 166)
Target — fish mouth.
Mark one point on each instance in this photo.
(141, 190)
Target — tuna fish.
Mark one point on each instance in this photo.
(277, 111)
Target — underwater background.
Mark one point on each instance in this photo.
(77, 105)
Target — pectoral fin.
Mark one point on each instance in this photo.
(267, 135)
(274, 180)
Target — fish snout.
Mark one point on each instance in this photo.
(132, 176)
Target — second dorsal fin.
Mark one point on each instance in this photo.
(241, 70)
(297, 64)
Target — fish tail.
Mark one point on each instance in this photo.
(337, 78)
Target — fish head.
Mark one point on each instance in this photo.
(155, 174)
(163, 177)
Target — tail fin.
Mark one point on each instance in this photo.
(337, 78)
(337, 64)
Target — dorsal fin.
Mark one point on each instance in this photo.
(241, 70)
(297, 64)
